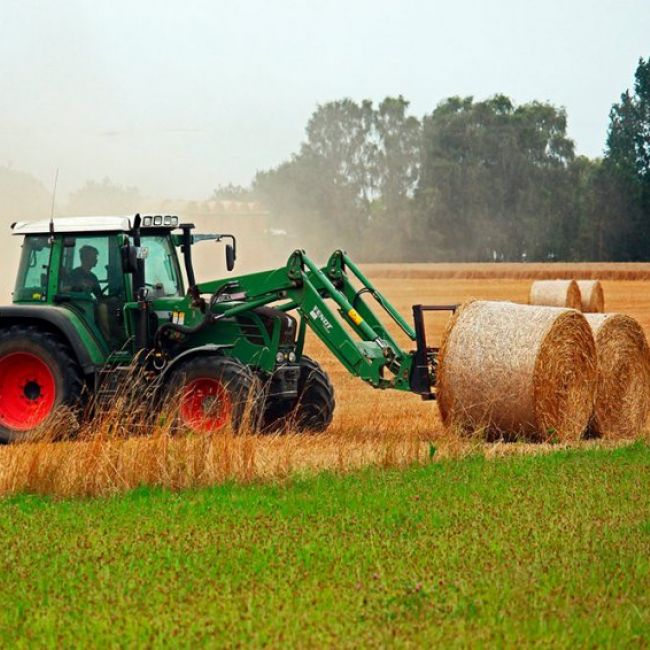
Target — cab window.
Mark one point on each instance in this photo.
(31, 281)
(162, 274)
(91, 265)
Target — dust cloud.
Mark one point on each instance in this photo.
(260, 245)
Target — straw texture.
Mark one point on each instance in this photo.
(623, 393)
(555, 293)
(514, 371)
(592, 297)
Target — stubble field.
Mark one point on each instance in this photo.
(370, 427)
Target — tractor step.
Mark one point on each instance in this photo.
(109, 382)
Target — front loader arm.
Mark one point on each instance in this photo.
(355, 336)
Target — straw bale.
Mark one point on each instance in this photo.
(592, 296)
(517, 371)
(555, 293)
(623, 389)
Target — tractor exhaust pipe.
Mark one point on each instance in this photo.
(186, 249)
(140, 293)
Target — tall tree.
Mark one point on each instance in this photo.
(398, 138)
(353, 177)
(493, 176)
(626, 170)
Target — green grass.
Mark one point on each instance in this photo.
(550, 550)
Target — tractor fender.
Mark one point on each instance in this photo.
(53, 319)
(208, 349)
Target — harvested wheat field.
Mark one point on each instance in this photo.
(370, 427)
(513, 270)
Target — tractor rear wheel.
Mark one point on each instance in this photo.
(211, 392)
(312, 410)
(37, 375)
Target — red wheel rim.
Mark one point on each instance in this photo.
(27, 391)
(205, 405)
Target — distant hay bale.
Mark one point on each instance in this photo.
(517, 371)
(592, 297)
(623, 388)
(555, 293)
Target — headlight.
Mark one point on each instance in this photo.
(292, 357)
(157, 220)
(279, 357)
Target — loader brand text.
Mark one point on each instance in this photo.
(317, 314)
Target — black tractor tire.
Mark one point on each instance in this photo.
(38, 375)
(208, 393)
(311, 411)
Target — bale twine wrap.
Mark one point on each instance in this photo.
(555, 293)
(516, 371)
(623, 388)
(592, 296)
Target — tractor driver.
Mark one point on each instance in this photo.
(82, 278)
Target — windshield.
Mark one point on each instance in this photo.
(31, 281)
(162, 275)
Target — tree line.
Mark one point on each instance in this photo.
(471, 181)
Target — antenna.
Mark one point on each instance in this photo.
(56, 180)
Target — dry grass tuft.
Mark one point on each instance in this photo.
(121, 446)
(103, 466)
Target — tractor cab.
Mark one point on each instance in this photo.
(80, 263)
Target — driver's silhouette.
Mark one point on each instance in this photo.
(82, 278)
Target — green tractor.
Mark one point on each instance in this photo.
(96, 295)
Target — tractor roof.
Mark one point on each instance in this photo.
(88, 224)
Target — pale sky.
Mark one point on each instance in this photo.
(176, 97)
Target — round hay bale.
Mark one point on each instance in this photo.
(592, 296)
(555, 293)
(515, 371)
(623, 388)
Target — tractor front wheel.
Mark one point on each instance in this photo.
(311, 411)
(37, 374)
(211, 393)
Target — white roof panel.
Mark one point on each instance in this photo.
(74, 224)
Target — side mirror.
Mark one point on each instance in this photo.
(129, 259)
(230, 257)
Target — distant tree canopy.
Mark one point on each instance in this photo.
(473, 180)
(624, 177)
(104, 197)
(232, 192)
(356, 174)
(487, 168)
